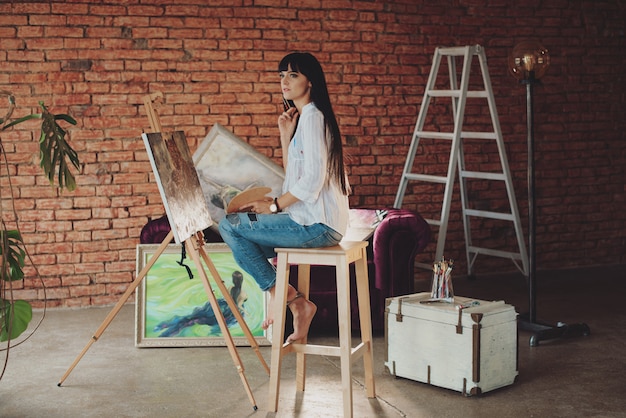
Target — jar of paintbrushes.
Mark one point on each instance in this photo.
(441, 289)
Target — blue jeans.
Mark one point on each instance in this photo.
(252, 237)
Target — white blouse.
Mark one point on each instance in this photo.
(307, 177)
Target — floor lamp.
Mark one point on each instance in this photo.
(528, 62)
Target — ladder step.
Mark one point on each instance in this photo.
(426, 177)
(456, 50)
(495, 253)
(482, 94)
(489, 214)
(424, 266)
(433, 222)
(450, 135)
(479, 135)
(434, 135)
(477, 214)
(482, 175)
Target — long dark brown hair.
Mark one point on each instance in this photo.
(307, 64)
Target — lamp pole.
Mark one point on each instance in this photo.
(528, 62)
(532, 222)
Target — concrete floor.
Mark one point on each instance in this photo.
(577, 377)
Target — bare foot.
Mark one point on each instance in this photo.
(269, 319)
(303, 311)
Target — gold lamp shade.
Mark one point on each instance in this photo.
(529, 60)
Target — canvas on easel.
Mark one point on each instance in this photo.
(178, 183)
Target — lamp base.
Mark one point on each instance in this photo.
(543, 332)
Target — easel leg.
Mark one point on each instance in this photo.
(233, 307)
(119, 304)
(192, 250)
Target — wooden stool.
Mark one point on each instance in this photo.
(340, 256)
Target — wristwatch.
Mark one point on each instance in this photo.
(274, 208)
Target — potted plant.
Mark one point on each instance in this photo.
(56, 155)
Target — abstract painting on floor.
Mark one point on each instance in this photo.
(172, 308)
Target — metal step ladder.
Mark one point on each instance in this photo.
(459, 92)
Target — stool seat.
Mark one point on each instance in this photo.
(340, 256)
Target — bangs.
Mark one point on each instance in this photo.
(292, 61)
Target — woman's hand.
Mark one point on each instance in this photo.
(287, 123)
(258, 206)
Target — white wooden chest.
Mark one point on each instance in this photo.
(471, 350)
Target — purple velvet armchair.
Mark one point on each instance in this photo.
(399, 237)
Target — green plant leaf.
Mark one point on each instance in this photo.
(13, 255)
(55, 151)
(14, 318)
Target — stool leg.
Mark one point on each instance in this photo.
(365, 319)
(278, 328)
(345, 333)
(304, 282)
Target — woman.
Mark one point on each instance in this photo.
(312, 210)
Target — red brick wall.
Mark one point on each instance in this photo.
(217, 63)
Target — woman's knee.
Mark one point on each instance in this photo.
(227, 226)
(224, 226)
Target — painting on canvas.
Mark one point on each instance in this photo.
(178, 183)
(172, 310)
(227, 165)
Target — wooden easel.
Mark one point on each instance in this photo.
(153, 117)
(195, 248)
